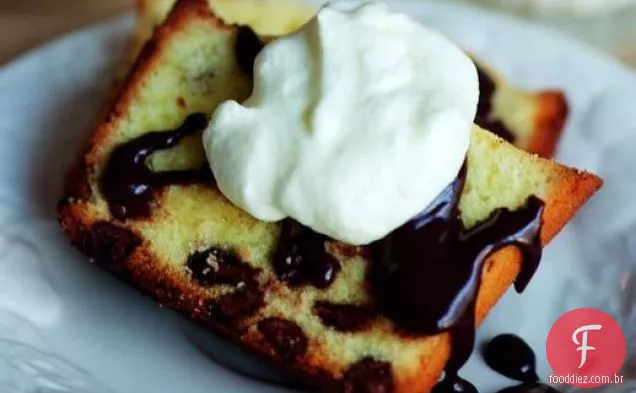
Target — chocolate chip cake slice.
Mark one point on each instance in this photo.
(143, 206)
(533, 121)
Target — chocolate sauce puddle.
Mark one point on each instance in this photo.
(484, 117)
(512, 357)
(427, 273)
(128, 184)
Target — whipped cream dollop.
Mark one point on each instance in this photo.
(356, 123)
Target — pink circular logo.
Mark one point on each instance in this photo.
(586, 348)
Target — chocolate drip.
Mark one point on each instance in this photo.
(128, 184)
(416, 276)
(512, 357)
(301, 258)
(427, 273)
(484, 117)
(462, 342)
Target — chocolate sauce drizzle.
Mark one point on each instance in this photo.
(512, 357)
(128, 184)
(427, 273)
(484, 117)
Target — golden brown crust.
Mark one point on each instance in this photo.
(125, 250)
(173, 292)
(551, 115)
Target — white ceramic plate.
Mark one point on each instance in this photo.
(65, 326)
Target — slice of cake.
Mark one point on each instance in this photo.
(142, 205)
(533, 121)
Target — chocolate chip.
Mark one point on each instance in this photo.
(301, 258)
(107, 243)
(344, 317)
(240, 304)
(368, 376)
(247, 47)
(286, 337)
(216, 266)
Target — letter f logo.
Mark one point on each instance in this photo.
(586, 329)
(583, 344)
